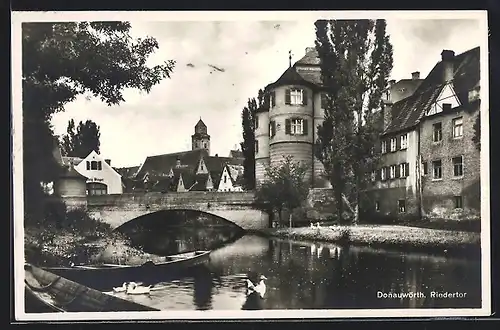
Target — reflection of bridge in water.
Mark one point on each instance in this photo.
(237, 207)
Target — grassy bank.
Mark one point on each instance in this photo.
(74, 237)
(409, 238)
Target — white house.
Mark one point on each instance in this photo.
(102, 179)
(231, 178)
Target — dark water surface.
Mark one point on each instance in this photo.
(316, 276)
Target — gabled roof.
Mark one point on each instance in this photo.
(161, 164)
(188, 176)
(234, 173)
(407, 112)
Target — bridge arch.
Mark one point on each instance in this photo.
(239, 208)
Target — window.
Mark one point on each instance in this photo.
(425, 169)
(402, 206)
(95, 165)
(393, 144)
(374, 175)
(388, 95)
(384, 147)
(201, 166)
(458, 202)
(296, 96)
(404, 141)
(377, 206)
(403, 170)
(296, 126)
(256, 122)
(437, 134)
(383, 173)
(225, 179)
(458, 128)
(256, 147)
(446, 106)
(88, 165)
(436, 170)
(272, 128)
(96, 188)
(458, 166)
(392, 173)
(205, 145)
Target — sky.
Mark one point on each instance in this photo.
(251, 55)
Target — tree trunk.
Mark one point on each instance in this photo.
(290, 220)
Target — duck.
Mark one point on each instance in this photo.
(133, 288)
(260, 288)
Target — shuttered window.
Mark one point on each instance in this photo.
(296, 126)
(295, 96)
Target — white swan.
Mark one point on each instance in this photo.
(259, 288)
(133, 288)
(122, 288)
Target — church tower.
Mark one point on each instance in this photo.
(200, 139)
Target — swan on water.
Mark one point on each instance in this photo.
(133, 288)
(260, 288)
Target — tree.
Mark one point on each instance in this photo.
(63, 60)
(284, 187)
(476, 138)
(81, 141)
(248, 118)
(356, 61)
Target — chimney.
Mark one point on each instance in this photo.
(310, 49)
(216, 155)
(108, 161)
(415, 75)
(447, 57)
(178, 162)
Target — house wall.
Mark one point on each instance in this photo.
(228, 185)
(281, 144)
(107, 175)
(388, 192)
(438, 194)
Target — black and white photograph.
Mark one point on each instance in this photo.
(250, 165)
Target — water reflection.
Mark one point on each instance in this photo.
(322, 276)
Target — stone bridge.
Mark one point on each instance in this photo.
(237, 207)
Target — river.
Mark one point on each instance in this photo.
(317, 276)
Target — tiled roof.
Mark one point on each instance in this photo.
(200, 182)
(188, 176)
(407, 112)
(310, 58)
(200, 123)
(161, 164)
(291, 77)
(127, 172)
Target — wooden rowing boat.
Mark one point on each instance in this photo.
(102, 275)
(48, 292)
(174, 262)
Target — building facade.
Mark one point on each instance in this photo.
(289, 125)
(429, 163)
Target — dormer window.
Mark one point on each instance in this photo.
(95, 165)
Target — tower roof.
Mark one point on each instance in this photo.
(200, 123)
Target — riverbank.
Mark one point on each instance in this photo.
(388, 236)
(78, 239)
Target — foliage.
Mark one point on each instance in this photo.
(248, 118)
(80, 141)
(284, 187)
(356, 61)
(63, 60)
(476, 138)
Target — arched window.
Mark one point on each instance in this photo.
(96, 188)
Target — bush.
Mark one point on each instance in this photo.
(344, 235)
